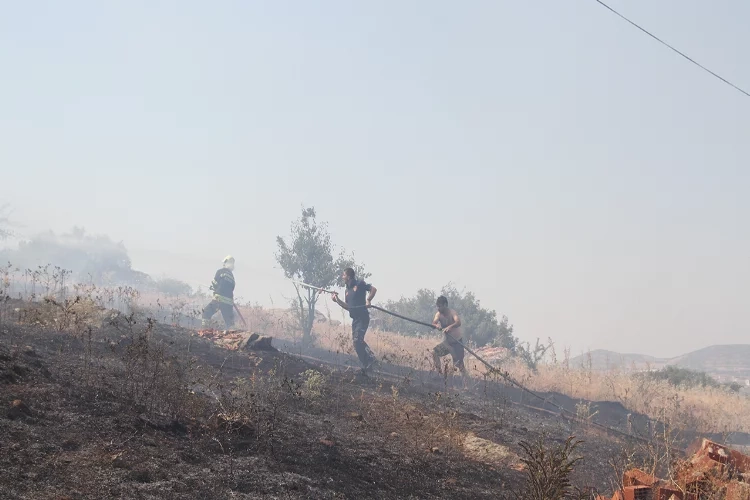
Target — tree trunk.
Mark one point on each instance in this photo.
(300, 312)
(309, 320)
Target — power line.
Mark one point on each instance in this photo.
(674, 49)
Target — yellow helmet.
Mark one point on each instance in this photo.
(229, 262)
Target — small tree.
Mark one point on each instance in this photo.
(548, 470)
(309, 257)
(530, 356)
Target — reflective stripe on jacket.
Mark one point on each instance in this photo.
(222, 299)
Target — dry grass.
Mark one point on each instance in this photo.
(701, 409)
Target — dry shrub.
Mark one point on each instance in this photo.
(154, 380)
(547, 470)
(314, 385)
(65, 315)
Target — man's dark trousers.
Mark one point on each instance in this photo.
(227, 312)
(359, 329)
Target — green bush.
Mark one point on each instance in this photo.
(480, 325)
(684, 377)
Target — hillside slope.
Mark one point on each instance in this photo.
(137, 410)
(723, 362)
(718, 360)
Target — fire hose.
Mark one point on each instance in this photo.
(504, 374)
(239, 314)
(494, 369)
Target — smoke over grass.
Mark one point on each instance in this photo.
(95, 259)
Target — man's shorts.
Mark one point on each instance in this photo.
(450, 346)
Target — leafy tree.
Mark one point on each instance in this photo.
(309, 257)
(480, 325)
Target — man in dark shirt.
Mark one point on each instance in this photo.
(358, 297)
(223, 299)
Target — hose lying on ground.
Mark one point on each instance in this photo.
(504, 374)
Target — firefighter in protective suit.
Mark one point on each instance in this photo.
(223, 300)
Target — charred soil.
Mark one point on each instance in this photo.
(140, 410)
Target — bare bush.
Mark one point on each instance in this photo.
(548, 469)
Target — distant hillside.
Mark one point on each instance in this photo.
(723, 362)
(602, 359)
(718, 360)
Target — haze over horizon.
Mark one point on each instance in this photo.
(574, 174)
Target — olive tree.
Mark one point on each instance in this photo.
(309, 256)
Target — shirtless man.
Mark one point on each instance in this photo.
(448, 321)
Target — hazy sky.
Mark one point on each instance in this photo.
(576, 175)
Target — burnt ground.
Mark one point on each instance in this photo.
(610, 414)
(138, 411)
